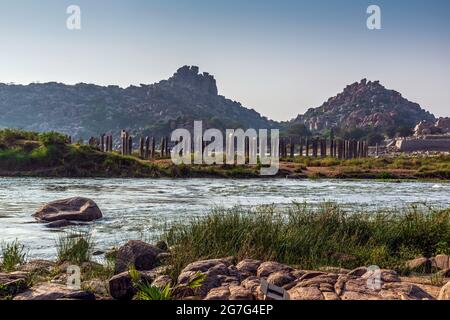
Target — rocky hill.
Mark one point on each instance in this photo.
(85, 110)
(365, 105)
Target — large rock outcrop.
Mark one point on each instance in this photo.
(72, 209)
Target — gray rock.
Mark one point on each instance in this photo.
(73, 209)
(139, 254)
(52, 291)
(121, 286)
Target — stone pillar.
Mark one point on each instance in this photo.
(315, 146)
(162, 147)
(301, 147)
(307, 147)
(292, 146)
(152, 145)
(166, 144)
(332, 148)
(147, 147)
(102, 143)
(130, 145)
(141, 148)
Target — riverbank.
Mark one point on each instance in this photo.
(28, 154)
(313, 254)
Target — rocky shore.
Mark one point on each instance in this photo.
(222, 279)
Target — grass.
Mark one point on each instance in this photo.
(75, 247)
(13, 255)
(311, 238)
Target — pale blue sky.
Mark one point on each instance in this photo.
(279, 57)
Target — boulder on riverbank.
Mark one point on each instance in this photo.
(140, 255)
(72, 209)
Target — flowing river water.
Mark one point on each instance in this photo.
(141, 208)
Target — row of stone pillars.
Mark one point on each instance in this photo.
(147, 146)
(336, 148)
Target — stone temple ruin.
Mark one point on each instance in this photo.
(428, 136)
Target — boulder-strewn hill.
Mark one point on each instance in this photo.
(365, 105)
(85, 110)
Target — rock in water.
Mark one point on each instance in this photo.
(73, 209)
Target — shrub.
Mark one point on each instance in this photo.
(75, 247)
(12, 254)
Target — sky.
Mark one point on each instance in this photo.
(279, 57)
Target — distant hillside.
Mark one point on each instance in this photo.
(85, 110)
(364, 106)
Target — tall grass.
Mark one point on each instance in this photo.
(12, 255)
(75, 247)
(311, 238)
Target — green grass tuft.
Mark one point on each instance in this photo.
(75, 247)
(13, 255)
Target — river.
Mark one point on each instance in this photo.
(140, 208)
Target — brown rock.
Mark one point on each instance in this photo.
(220, 293)
(281, 278)
(330, 295)
(310, 275)
(39, 265)
(52, 291)
(121, 286)
(386, 275)
(267, 268)
(141, 255)
(420, 264)
(13, 283)
(442, 262)
(240, 293)
(254, 285)
(73, 209)
(305, 293)
(219, 266)
(325, 280)
(162, 281)
(216, 270)
(445, 292)
(60, 224)
(98, 287)
(403, 291)
(358, 272)
(248, 267)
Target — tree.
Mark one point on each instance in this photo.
(405, 132)
(373, 138)
(298, 130)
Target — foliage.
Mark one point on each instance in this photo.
(75, 247)
(12, 255)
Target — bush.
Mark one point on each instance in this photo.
(75, 247)
(12, 254)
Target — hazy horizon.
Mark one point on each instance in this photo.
(277, 57)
